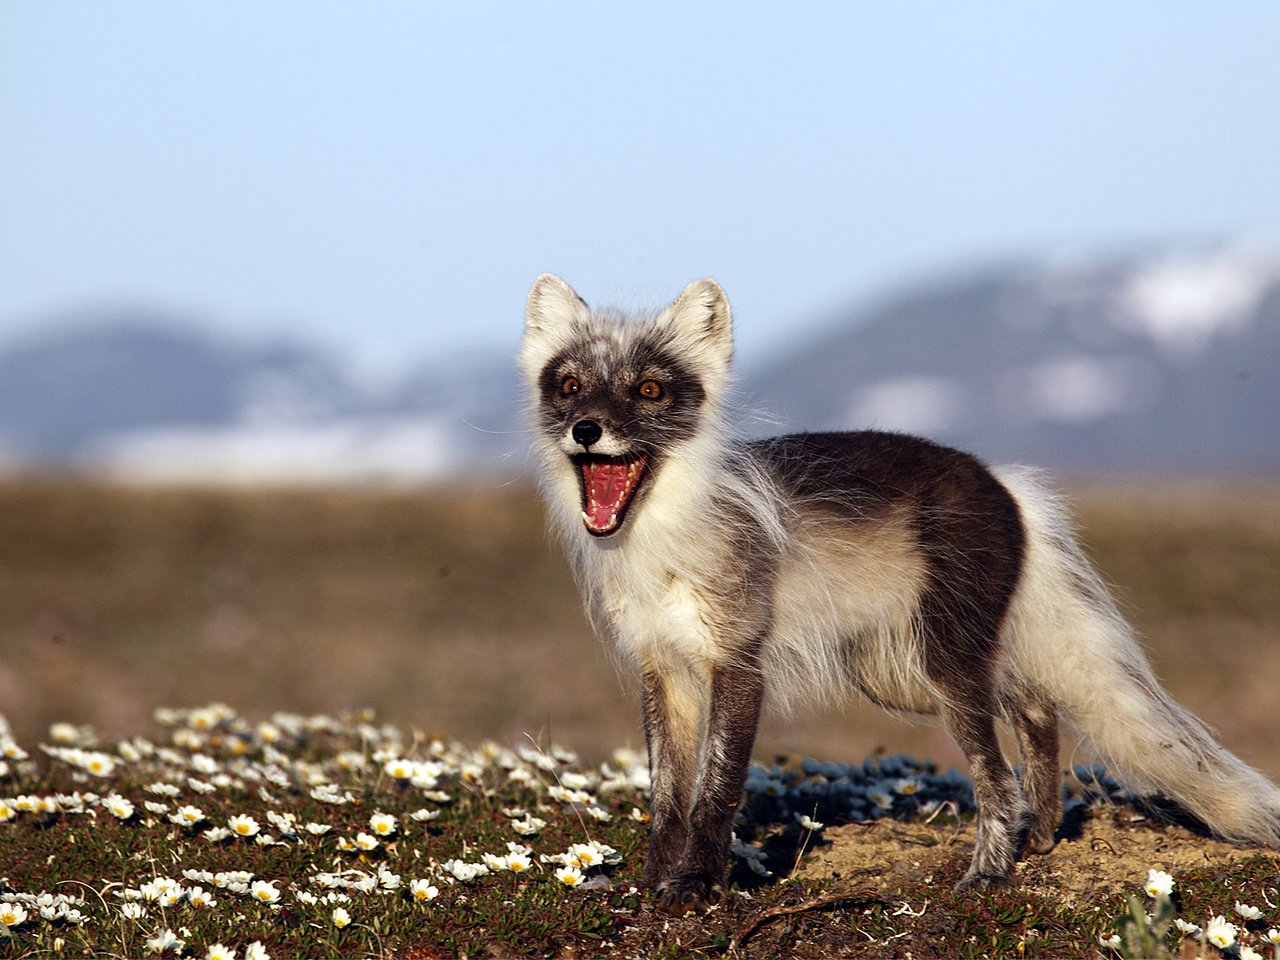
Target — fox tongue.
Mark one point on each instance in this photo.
(607, 487)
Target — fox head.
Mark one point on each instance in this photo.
(616, 396)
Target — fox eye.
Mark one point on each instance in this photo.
(569, 386)
(650, 389)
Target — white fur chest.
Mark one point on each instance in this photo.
(659, 618)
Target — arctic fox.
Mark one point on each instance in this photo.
(815, 565)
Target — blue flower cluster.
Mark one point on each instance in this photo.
(898, 786)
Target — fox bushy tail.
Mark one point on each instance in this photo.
(1070, 646)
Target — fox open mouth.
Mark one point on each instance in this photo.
(608, 486)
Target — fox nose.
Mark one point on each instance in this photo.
(587, 432)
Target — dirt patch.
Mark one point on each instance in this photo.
(1112, 854)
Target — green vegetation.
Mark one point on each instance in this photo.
(451, 613)
(308, 835)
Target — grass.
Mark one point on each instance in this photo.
(314, 836)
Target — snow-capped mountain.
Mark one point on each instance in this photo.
(1159, 363)
(1164, 362)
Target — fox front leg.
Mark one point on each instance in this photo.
(672, 733)
(733, 714)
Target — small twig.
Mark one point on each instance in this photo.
(906, 909)
(949, 806)
(863, 895)
(919, 839)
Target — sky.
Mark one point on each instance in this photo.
(389, 178)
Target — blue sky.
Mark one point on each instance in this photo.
(390, 177)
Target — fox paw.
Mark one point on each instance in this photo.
(688, 894)
(982, 881)
(1039, 843)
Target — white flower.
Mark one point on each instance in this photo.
(256, 951)
(172, 897)
(133, 910)
(383, 824)
(318, 829)
(423, 890)
(399, 768)
(98, 764)
(340, 917)
(1273, 935)
(586, 854)
(161, 890)
(906, 786)
(1112, 942)
(808, 823)
(216, 834)
(518, 862)
(758, 867)
(1248, 953)
(243, 826)
(264, 891)
(197, 897)
(528, 826)
(1189, 929)
(12, 914)
(1220, 932)
(1246, 912)
(118, 807)
(187, 816)
(364, 841)
(286, 823)
(388, 880)
(881, 798)
(565, 795)
(570, 876)
(464, 871)
(227, 879)
(219, 952)
(165, 941)
(1159, 884)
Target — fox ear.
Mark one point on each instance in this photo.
(701, 315)
(550, 315)
(551, 304)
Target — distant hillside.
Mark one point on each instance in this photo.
(1162, 362)
(151, 398)
(1169, 362)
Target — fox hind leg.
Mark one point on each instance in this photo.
(1035, 725)
(959, 659)
(1004, 819)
